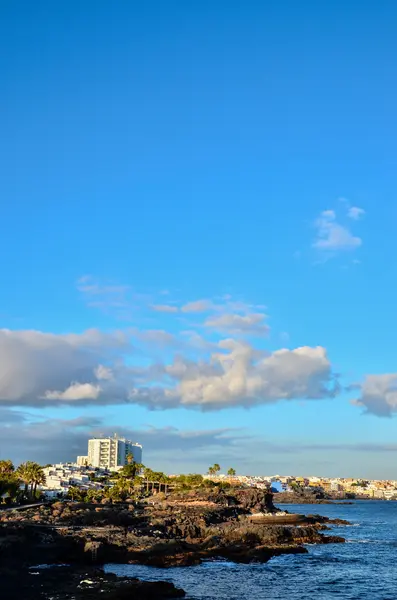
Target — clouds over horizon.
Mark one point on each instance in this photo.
(61, 440)
(42, 369)
(219, 363)
(167, 448)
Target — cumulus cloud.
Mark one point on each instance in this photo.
(251, 324)
(379, 394)
(38, 368)
(332, 236)
(102, 372)
(76, 391)
(355, 213)
(241, 376)
(42, 369)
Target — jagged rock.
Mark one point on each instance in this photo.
(256, 500)
(82, 584)
(183, 529)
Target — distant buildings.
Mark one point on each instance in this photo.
(104, 455)
(60, 477)
(338, 487)
(111, 452)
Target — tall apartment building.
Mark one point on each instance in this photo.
(112, 452)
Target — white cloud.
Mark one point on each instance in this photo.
(331, 236)
(33, 363)
(76, 391)
(379, 394)
(250, 324)
(42, 369)
(196, 341)
(355, 213)
(241, 376)
(197, 306)
(329, 214)
(166, 308)
(102, 372)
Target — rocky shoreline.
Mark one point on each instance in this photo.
(307, 498)
(181, 529)
(81, 583)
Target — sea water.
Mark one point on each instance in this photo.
(363, 568)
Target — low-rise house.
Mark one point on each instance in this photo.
(62, 476)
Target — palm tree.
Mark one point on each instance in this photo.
(214, 469)
(94, 495)
(9, 488)
(9, 482)
(74, 493)
(113, 494)
(38, 478)
(147, 473)
(24, 474)
(231, 472)
(123, 489)
(6, 467)
(132, 469)
(136, 468)
(31, 474)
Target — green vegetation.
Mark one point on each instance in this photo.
(361, 483)
(29, 473)
(32, 475)
(214, 470)
(9, 483)
(131, 469)
(132, 482)
(6, 468)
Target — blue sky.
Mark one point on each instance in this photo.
(238, 156)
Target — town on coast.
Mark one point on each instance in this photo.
(106, 507)
(108, 459)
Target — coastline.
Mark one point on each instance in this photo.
(180, 530)
(281, 498)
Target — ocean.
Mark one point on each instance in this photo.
(363, 568)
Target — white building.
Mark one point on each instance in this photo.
(111, 453)
(60, 477)
(336, 486)
(82, 461)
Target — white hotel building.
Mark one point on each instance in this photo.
(112, 452)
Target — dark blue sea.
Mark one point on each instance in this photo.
(363, 568)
